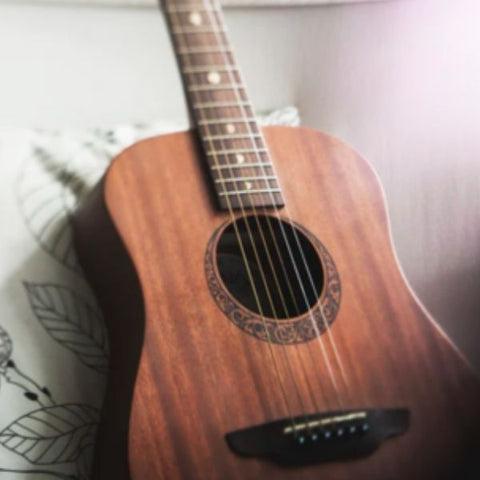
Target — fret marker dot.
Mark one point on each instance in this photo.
(214, 78)
(230, 128)
(195, 18)
(248, 185)
(240, 158)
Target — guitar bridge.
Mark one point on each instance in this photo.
(320, 437)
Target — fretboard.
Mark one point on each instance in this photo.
(233, 145)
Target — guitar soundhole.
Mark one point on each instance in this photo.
(268, 274)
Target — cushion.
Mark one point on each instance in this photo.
(53, 344)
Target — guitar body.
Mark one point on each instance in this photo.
(183, 374)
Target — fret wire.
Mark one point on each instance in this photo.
(243, 165)
(241, 127)
(188, 8)
(236, 151)
(222, 121)
(221, 99)
(210, 87)
(209, 68)
(246, 136)
(266, 178)
(205, 50)
(194, 30)
(245, 192)
(214, 104)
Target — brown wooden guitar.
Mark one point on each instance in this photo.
(260, 325)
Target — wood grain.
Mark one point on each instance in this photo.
(199, 376)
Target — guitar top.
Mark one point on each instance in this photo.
(260, 325)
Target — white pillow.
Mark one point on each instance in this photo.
(53, 348)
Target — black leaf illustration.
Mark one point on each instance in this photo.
(5, 346)
(31, 396)
(46, 391)
(51, 435)
(72, 322)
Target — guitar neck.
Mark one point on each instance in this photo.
(239, 162)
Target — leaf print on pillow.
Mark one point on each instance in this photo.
(72, 322)
(5, 346)
(52, 435)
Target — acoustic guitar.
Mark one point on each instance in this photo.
(259, 322)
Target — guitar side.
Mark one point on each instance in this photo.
(183, 375)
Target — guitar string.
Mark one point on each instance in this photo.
(279, 221)
(241, 245)
(312, 285)
(261, 269)
(314, 401)
(299, 397)
(213, 22)
(282, 263)
(273, 237)
(281, 293)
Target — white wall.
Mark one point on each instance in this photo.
(399, 80)
(80, 66)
